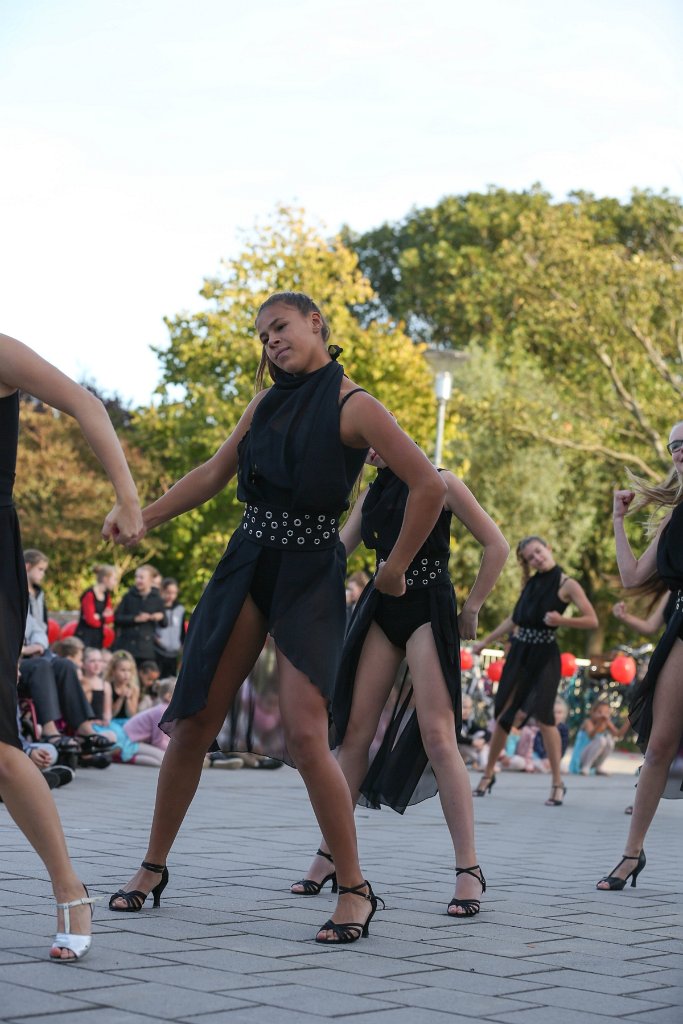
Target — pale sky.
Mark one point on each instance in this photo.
(139, 136)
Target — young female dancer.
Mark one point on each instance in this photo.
(22, 786)
(531, 676)
(421, 740)
(656, 706)
(297, 451)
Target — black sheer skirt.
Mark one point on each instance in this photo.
(13, 611)
(530, 681)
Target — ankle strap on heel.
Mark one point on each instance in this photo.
(327, 856)
(473, 872)
(158, 869)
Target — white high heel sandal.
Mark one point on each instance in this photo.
(77, 944)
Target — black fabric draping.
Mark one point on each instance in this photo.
(292, 459)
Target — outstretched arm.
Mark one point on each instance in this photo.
(461, 501)
(366, 423)
(203, 482)
(501, 630)
(21, 367)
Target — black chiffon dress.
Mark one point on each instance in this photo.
(670, 571)
(295, 476)
(13, 583)
(400, 773)
(531, 677)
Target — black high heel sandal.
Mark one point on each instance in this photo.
(482, 790)
(551, 802)
(353, 930)
(135, 899)
(471, 907)
(312, 888)
(618, 883)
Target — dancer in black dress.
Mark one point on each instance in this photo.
(419, 752)
(297, 451)
(23, 788)
(531, 677)
(656, 704)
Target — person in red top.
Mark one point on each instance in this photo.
(96, 607)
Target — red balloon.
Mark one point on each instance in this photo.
(495, 670)
(623, 669)
(52, 630)
(108, 636)
(466, 660)
(567, 664)
(68, 630)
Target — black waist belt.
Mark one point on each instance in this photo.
(301, 531)
(427, 572)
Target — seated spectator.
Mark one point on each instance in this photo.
(96, 688)
(139, 739)
(122, 675)
(169, 637)
(71, 647)
(148, 675)
(137, 617)
(96, 607)
(51, 682)
(561, 711)
(474, 736)
(518, 755)
(595, 740)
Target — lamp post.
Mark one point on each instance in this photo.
(442, 363)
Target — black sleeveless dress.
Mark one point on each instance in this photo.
(295, 476)
(13, 584)
(670, 571)
(400, 773)
(531, 677)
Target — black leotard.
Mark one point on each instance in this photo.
(400, 773)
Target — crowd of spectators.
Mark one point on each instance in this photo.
(98, 695)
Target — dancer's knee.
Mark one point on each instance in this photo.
(660, 751)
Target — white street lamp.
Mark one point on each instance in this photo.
(442, 363)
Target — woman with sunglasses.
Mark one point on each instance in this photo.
(656, 706)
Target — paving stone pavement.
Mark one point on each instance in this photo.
(230, 944)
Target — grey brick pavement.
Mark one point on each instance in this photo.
(229, 943)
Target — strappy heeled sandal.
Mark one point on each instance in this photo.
(470, 907)
(486, 784)
(135, 899)
(551, 802)
(77, 944)
(311, 887)
(614, 883)
(353, 930)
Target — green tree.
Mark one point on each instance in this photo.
(208, 370)
(572, 314)
(62, 496)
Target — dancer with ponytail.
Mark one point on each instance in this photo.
(297, 451)
(22, 786)
(419, 753)
(656, 705)
(531, 676)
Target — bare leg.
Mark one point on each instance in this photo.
(182, 764)
(552, 741)
(496, 747)
(377, 667)
(304, 717)
(437, 728)
(667, 728)
(31, 806)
